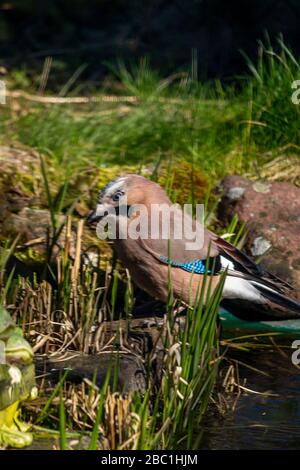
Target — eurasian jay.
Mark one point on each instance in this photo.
(249, 292)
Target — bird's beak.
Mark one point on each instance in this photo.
(93, 218)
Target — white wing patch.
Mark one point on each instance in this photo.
(226, 263)
(238, 288)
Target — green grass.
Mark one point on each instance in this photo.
(273, 118)
(223, 129)
(205, 132)
(172, 118)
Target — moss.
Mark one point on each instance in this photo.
(181, 182)
(89, 182)
(28, 182)
(25, 182)
(20, 168)
(107, 174)
(184, 182)
(30, 256)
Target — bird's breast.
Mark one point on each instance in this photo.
(152, 275)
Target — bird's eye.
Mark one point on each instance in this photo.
(117, 196)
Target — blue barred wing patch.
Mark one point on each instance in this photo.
(196, 266)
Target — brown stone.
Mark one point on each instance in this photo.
(271, 212)
(24, 211)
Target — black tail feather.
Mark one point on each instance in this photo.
(277, 298)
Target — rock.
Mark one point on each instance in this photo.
(24, 211)
(33, 226)
(260, 246)
(20, 198)
(19, 175)
(144, 342)
(271, 212)
(132, 373)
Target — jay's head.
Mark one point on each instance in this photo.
(123, 193)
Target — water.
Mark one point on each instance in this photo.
(261, 422)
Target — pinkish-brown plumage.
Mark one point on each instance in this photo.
(249, 292)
